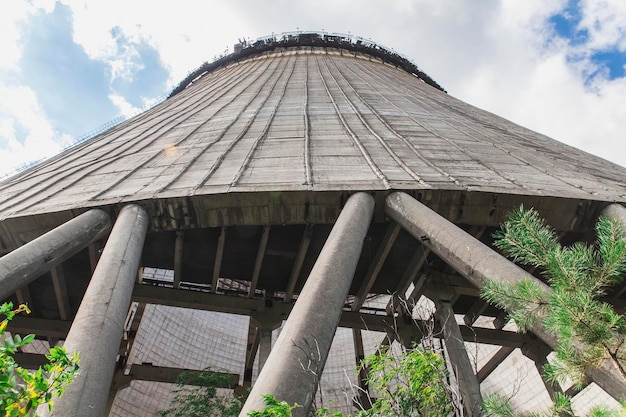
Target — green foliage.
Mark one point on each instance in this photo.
(409, 384)
(21, 390)
(273, 408)
(412, 384)
(587, 329)
(496, 406)
(196, 395)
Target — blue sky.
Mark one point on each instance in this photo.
(70, 66)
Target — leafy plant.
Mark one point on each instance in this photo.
(21, 390)
(495, 405)
(273, 408)
(409, 384)
(587, 329)
(196, 395)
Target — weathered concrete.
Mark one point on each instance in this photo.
(477, 262)
(615, 212)
(28, 262)
(96, 332)
(465, 375)
(292, 370)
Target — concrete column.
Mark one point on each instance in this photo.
(28, 262)
(292, 370)
(465, 375)
(615, 212)
(476, 262)
(265, 345)
(97, 329)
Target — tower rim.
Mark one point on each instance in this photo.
(245, 49)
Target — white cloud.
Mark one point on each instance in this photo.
(126, 109)
(20, 107)
(12, 13)
(185, 33)
(605, 20)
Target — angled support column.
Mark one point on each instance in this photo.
(97, 329)
(468, 383)
(292, 370)
(28, 262)
(477, 262)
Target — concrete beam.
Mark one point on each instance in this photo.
(60, 292)
(477, 262)
(495, 361)
(461, 364)
(149, 372)
(178, 258)
(294, 366)
(28, 262)
(99, 323)
(258, 262)
(375, 266)
(219, 255)
(297, 265)
(252, 347)
(41, 327)
(198, 300)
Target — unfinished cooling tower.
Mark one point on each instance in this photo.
(290, 187)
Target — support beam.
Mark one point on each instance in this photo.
(178, 259)
(28, 262)
(538, 352)
(22, 324)
(375, 266)
(219, 255)
(468, 383)
(97, 329)
(131, 327)
(137, 372)
(258, 262)
(60, 291)
(265, 344)
(477, 262)
(148, 372)
(297, 265)
(359, 355)
(95, 250)
(252, 348)
(495, 361)
(293, 368)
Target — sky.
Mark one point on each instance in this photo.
(70, 67)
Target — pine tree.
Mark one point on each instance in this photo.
(579, 276)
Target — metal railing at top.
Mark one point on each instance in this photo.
(246, 48)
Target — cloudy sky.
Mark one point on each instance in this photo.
(68, 67)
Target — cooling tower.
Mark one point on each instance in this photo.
(300, 184)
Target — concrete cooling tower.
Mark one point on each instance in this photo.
(268, 213)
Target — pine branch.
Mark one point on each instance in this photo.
(612, 249)
(526, 238)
